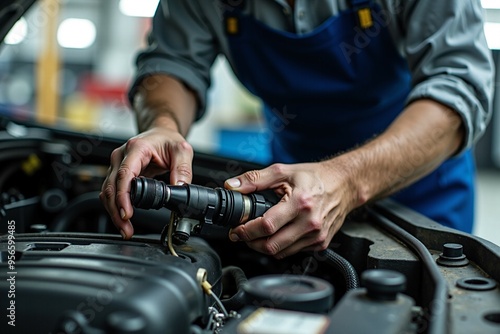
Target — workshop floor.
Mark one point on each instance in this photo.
(488, 206)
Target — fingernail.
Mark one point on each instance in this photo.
(122, 213)
(122, 232)
(234, 183)
(180, 183)
(234, 237)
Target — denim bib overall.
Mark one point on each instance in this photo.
(334, 88)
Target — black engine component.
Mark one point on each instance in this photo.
(197, 208)
(290, 292)
(82, 283)
(217, 206)
(65, 280)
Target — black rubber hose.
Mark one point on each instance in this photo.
(234, 275)
(439, 306)
(8, 172)
(84, 203)
(345, 267)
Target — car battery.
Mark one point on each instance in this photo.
(90, 283)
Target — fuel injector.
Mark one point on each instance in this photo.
(196, 205)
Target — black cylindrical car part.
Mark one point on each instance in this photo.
(218, 206)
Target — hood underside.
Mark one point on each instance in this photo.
(10, 12)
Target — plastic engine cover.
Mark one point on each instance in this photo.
(61, 282)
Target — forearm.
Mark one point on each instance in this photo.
(163, 101)
(418, 141)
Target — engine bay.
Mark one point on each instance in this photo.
(66, 269)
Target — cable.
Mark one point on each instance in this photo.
(344, 266)
(83, 203)
(221, 306)
(439, 307)
(8, 172)
(236, 301)
(207, 288)
(169, 235)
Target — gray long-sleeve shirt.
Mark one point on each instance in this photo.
(442, 41)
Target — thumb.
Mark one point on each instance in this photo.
(252, 181)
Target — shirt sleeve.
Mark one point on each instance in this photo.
(180, 44)
(449, 59)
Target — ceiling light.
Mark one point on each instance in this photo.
(76, 33)
(141, 8)
(491, 4)
(18, 32)
(492, 31)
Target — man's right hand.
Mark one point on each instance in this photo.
(150, 153)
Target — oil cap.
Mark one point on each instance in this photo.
(452, 256)
(383, 284)
(290, 292)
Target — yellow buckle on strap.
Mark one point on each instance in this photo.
(365, 18)
(232, 25)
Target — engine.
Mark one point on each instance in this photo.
(65, 269)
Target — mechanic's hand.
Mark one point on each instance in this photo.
(149, 153)
(316, 198)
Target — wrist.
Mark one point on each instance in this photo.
(347, 169)
(148, 118)
(166, 120)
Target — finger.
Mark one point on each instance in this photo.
(272, 221)
(256, 180)
(304, 244)
(313, 241)
(107, 196)
(124, 226)
(108, 189)
(296, 236)
(287, 241)
(135, 160)
(181, 163)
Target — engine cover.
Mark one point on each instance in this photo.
(102, 284)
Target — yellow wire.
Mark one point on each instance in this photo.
(169, 235)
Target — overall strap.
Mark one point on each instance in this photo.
(363, 12)
(231, 10)
(232, 4)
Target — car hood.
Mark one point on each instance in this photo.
(10, 12)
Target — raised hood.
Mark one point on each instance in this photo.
(10, 12)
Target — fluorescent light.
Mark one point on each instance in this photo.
(76, 33)
(18, 32)
(491, 4)
(141, 8)
(492, 32)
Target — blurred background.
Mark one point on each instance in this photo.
(68, 63)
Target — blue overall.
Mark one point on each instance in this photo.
(336, 87)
